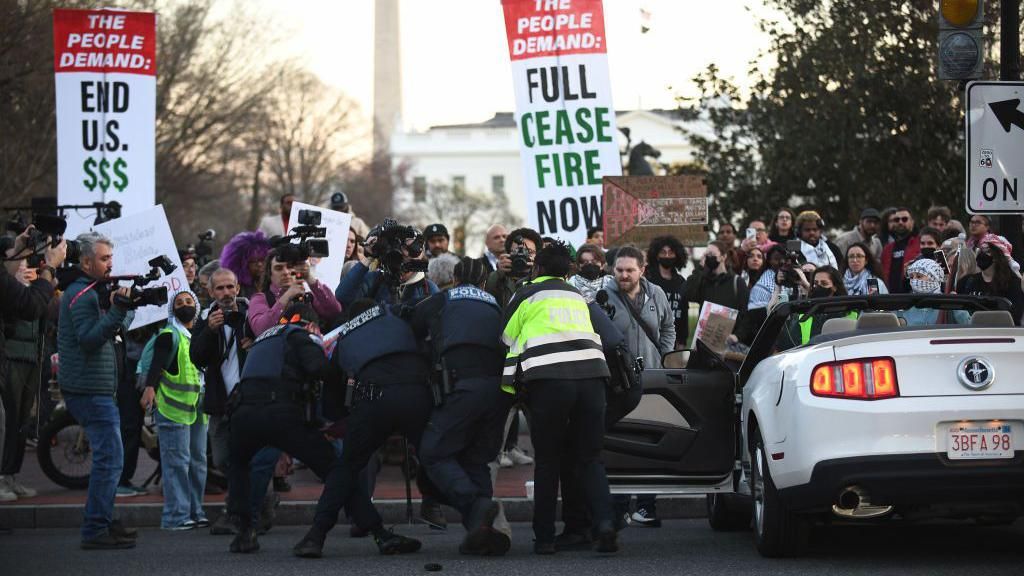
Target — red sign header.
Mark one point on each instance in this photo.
(539, 28)
(104, 41)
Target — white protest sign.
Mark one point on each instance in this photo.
(568, 138)
(138, 238)
(327, 270)
(105, 64)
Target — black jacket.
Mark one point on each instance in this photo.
(209, 349)
(19, 302)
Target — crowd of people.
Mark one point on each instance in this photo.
(443, 349)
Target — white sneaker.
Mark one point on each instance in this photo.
(6, 493)
(505, 461)
(519, 458)
(19, 489)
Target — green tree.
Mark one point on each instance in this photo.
(852, 115)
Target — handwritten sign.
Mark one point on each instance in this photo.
(640, 208)
(138, 238)
(327, 270)
(714, 325)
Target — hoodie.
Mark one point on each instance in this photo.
(655, 311)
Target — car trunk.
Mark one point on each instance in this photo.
(947, 362)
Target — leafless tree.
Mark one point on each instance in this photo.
(467, 214)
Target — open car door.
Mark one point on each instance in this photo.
(681, 438)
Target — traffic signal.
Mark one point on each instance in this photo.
(960, 47)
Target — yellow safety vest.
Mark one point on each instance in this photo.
(177, 395)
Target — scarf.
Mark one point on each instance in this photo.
(856, 285)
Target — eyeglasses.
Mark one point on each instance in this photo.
(900, 219)
(855, 257)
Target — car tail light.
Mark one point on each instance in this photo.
(860, 379)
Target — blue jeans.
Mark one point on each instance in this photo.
(182, 469)
(99, 417)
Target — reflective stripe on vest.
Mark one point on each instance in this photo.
(177, 397)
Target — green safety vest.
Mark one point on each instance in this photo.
(549, 335)
(177, 395)
(808, 324)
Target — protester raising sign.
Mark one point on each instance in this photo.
(105, 63)
(568, 138)
(138, 238)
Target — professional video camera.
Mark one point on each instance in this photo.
(794, 259)
(397, 248)
(312, 240)
(139, 296)
(47, 231)
(204, 249)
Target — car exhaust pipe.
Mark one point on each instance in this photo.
(855, 502)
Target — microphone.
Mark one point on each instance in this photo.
(602, 300)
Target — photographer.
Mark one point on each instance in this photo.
(288, 276)
(23, 303)
(514, 265)
(395, 271)
(88, 382)
(219, 348)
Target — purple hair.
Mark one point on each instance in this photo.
(242, 248)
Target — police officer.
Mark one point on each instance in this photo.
(622, 395)
(556, 356)
(270, 411)
(390, 395)
(465, 432)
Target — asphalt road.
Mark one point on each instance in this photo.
(680, 547)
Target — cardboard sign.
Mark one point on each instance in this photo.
(714, 325)
(105, 63)
(640, 208)
(326, 270)
(138, 238)
(567, 132)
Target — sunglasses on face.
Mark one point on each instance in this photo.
(899, 219)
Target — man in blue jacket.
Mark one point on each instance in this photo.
(88, 382)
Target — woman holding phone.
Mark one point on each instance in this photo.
(860, 276)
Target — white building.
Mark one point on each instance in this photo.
(484, 157)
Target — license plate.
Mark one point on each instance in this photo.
(979, 441)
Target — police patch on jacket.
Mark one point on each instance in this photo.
(471, 293)
(370, 314)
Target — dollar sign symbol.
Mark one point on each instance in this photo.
(90, 181)
(104, 177)
(122, 179)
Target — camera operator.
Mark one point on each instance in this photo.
(88, 382)
(514, 265)
(286, 282)
(407, 285)
(24, 300)
(219, 348)
(466, 430)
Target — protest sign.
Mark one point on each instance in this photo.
(327, 270)
(714, 325)
(138, 238)
(640, 208)
(567, 132)
(105, 64)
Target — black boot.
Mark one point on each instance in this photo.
(245, 541)
(311, 545)
(607, 542)
(487, 538)
(390, 543)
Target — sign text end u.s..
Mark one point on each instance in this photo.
(995, 147)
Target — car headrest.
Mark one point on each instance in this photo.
(870, 320)
(833, 325)
(993, 318)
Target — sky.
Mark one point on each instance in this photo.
(455, 66)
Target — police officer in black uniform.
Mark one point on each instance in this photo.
(269, 409)
(379, 349)
(465, 432)
(622, 395)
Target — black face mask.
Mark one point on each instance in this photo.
(185, 314)
(711, 263)
(984, 260)
(820, 292)
(928, 253)
(591, 271)
(667, 262)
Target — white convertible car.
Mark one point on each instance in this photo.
(868, 421)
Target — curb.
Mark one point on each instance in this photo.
(296, 513)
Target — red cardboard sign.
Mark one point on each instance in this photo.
(104, 41)
(538, 28)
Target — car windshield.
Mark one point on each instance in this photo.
(803, 328)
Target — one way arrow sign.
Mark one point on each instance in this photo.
(995, 148)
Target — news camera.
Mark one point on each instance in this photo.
(46, 232)
(397, 249)
(204, 249)
(311, 236)
(139, 296)
(794, 259)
